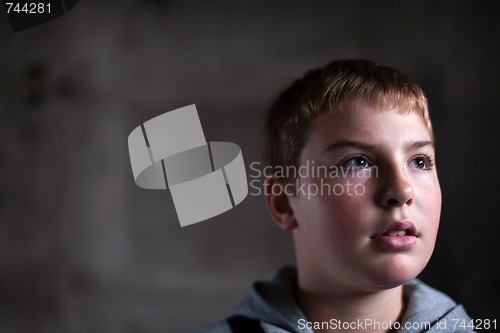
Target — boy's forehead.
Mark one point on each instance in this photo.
(361, 121)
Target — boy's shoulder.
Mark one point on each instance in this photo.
(429, 305)
(269, 306)
(422, 297)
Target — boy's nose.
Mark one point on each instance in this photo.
(396, 192)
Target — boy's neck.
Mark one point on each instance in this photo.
(382, 307)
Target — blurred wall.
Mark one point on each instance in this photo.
(82, 249)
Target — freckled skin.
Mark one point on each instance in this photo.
(332, 238)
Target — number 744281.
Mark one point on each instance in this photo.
(28, 8)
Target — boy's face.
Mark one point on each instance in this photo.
(350, 235)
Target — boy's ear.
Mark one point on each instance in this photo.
(278, 203)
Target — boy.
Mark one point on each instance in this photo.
(365, 214)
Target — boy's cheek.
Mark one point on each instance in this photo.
(428, 197)
(344, 211)
(335, 195)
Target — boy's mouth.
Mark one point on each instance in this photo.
(399, 228)
(395, 233)
(398, 236)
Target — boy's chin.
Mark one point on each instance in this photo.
(394, 276)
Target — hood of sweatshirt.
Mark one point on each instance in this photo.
(272, 302)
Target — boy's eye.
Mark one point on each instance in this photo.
(357, 162)
(422, 162)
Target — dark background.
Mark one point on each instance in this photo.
(82, 249)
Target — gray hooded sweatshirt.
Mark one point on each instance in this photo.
(272, 306)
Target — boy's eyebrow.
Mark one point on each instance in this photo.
(347, 143)
(419, 144)
(365, 146)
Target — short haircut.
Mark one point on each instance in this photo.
(328, 89)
